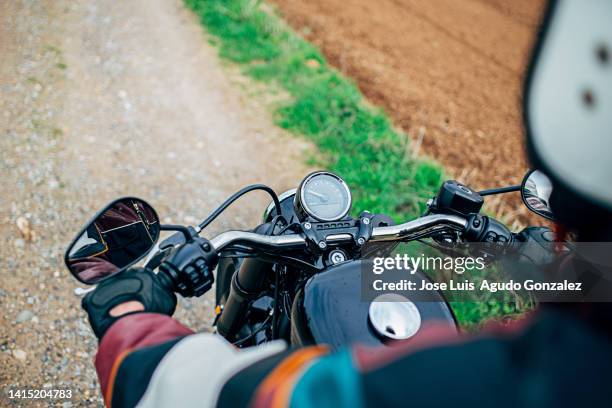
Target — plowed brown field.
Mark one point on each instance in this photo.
(449, 72)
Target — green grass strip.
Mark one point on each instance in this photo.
(357, 141)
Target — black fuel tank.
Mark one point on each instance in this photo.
(330, 311)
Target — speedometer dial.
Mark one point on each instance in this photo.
(323, 196)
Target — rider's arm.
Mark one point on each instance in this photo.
(188, 370)
(437, 367)
(130, 312)
(136, 341)
(146, 356)
(405, 374)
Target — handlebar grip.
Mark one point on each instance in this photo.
(189, 267)
(481, 228)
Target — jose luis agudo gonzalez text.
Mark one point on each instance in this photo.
(457, 265)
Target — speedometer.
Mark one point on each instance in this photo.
(323, 196)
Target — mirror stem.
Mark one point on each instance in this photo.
(499, 190)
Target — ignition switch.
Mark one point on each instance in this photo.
(336, 256)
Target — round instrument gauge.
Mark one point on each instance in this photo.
(322, 196)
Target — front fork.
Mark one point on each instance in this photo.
(246, 286)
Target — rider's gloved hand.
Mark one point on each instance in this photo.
(537, 245)
(536, 234)
(536, 250)
(153, 292)
(190, 267)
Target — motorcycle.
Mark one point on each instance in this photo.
(296, 276)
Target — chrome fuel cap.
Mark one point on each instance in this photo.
(394, 317)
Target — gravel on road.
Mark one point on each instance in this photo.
(101, 99)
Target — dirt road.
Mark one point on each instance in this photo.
(100, 99)
(449, 72)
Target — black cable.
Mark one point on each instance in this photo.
(287, 305)
(275, 222)
(281, 232)
(238, 251)
(276, 309)
(236, 196)
(239, 248)
(239, 256)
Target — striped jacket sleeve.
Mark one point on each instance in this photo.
(151, 360)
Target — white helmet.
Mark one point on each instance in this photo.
(568, 105)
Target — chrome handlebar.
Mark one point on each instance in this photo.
(293, 241)
(417, 228)
(402, 232)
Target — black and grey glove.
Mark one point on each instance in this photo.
(136, 284)
(535, 254)
(537, 245)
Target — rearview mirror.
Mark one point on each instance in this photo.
(116, 238)
(535, 191)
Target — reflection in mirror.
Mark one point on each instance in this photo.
(536, 191)
(119, 236)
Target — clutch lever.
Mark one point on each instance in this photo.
(158, 253)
